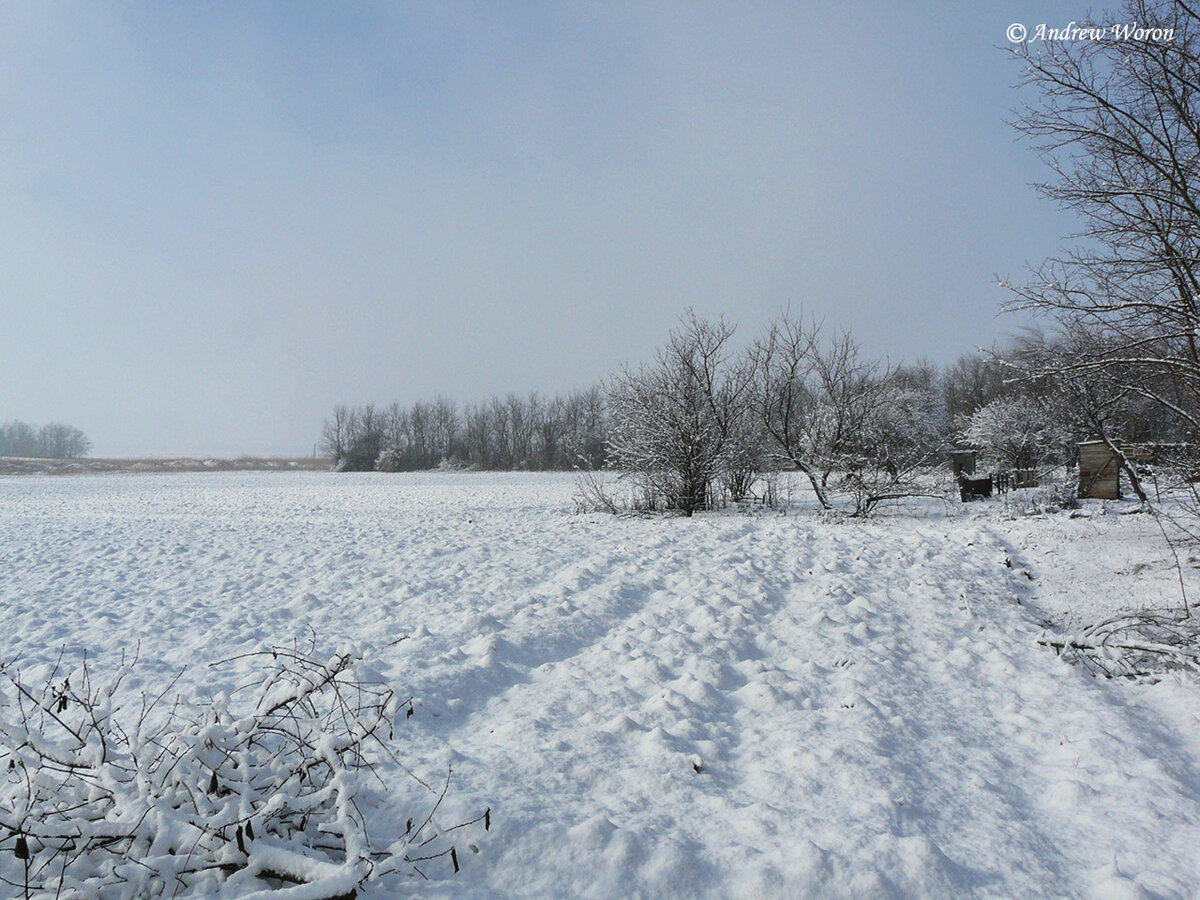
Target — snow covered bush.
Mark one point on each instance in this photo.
(102, 798)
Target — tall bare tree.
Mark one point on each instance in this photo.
(1118, 121)
(335, 435)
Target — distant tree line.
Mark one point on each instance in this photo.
(53, 441)
(705, 420)
(531, 432)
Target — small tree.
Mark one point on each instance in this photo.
(673, 422)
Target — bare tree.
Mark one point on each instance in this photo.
(842, 419)
(972, 381)
(355, 436)
(522, 420)
(815, 396)
(551, 428)
(786, 396)
(397, 445)
(672, 421)
(446, 426)
(335, 435)
(1119, 124)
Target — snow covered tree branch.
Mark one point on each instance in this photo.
(105, 800)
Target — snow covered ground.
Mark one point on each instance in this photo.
(722, 706)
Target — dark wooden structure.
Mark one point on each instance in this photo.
(962, 462)
(974, 488)
(1099, 471)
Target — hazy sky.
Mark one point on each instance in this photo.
(219, 219)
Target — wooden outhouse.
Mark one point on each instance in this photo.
(962, 462)
(1099, 471)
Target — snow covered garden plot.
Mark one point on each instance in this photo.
(721, 706)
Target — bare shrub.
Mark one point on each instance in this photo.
(593, 493)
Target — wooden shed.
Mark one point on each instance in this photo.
(962, 462)
(1099, 471)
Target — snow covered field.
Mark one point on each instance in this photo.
(722, 706)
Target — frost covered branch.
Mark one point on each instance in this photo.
(1134, 644)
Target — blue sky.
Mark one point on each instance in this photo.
(219, 219)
